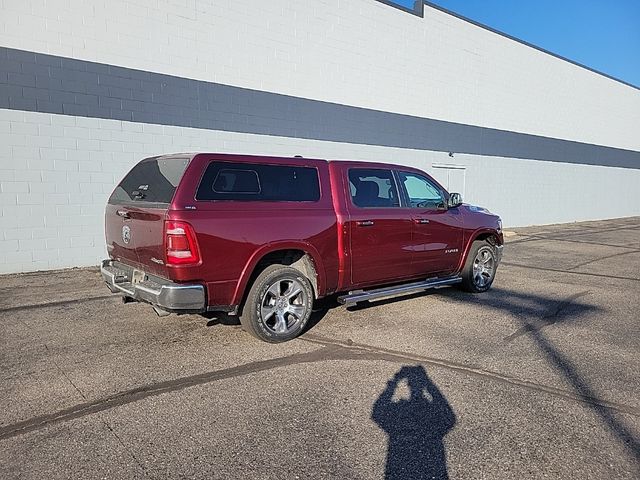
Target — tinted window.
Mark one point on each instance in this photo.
(237, 181)
(151, 181)
(421, 192)
(372, 187)
(258, 182)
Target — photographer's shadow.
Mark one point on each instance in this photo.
(416, 426)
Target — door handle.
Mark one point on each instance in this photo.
(123, 213)
(365, 223)
(421, 221)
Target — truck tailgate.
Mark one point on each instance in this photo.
(136, 212)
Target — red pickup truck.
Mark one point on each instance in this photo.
(264, 237)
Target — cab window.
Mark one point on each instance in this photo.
(373, 188)
(421, 192)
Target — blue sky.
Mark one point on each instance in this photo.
(602, 34)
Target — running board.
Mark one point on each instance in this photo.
(362, 295)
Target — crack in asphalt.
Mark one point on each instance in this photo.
(331, 349)
(606, 257)
(559, 270)
(105, 422)
(145, 391)
(393, 355)
(57, 303)
(552, 236)
(538, 238)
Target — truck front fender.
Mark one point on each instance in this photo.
(480, 233)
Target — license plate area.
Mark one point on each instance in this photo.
(138, 276)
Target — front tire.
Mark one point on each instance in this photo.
(480, 267)
(279, 304)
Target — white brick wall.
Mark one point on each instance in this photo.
(355, 52)
(57, 171)
(52, 199)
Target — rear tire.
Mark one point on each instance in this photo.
(278, 305)
(480, 267)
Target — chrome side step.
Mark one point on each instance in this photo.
(362, 295)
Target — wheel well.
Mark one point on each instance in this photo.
(488, 236)
(298, 259)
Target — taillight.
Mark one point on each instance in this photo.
(180, 244)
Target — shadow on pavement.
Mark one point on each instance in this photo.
(416, 426)
(221, 318)
(536, 312)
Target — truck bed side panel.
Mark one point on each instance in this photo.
(233, 234)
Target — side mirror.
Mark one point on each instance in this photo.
(455, 200)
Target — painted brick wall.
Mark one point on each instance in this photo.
(53, 84)
(57, 171)
(356, 52)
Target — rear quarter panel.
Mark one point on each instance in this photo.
(234, 235)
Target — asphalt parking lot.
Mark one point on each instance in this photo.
(539, 378)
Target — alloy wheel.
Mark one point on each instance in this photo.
(283, 306)
(484, 267)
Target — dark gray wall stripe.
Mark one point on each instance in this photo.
(45, 83)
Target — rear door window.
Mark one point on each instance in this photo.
(259, 182)
(373, 187)
(151, 181)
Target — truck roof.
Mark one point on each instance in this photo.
(295, 159)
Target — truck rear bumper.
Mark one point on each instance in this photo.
(499, 252)
(162, 293)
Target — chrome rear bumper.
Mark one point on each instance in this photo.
(499, 252)
(162, 293)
